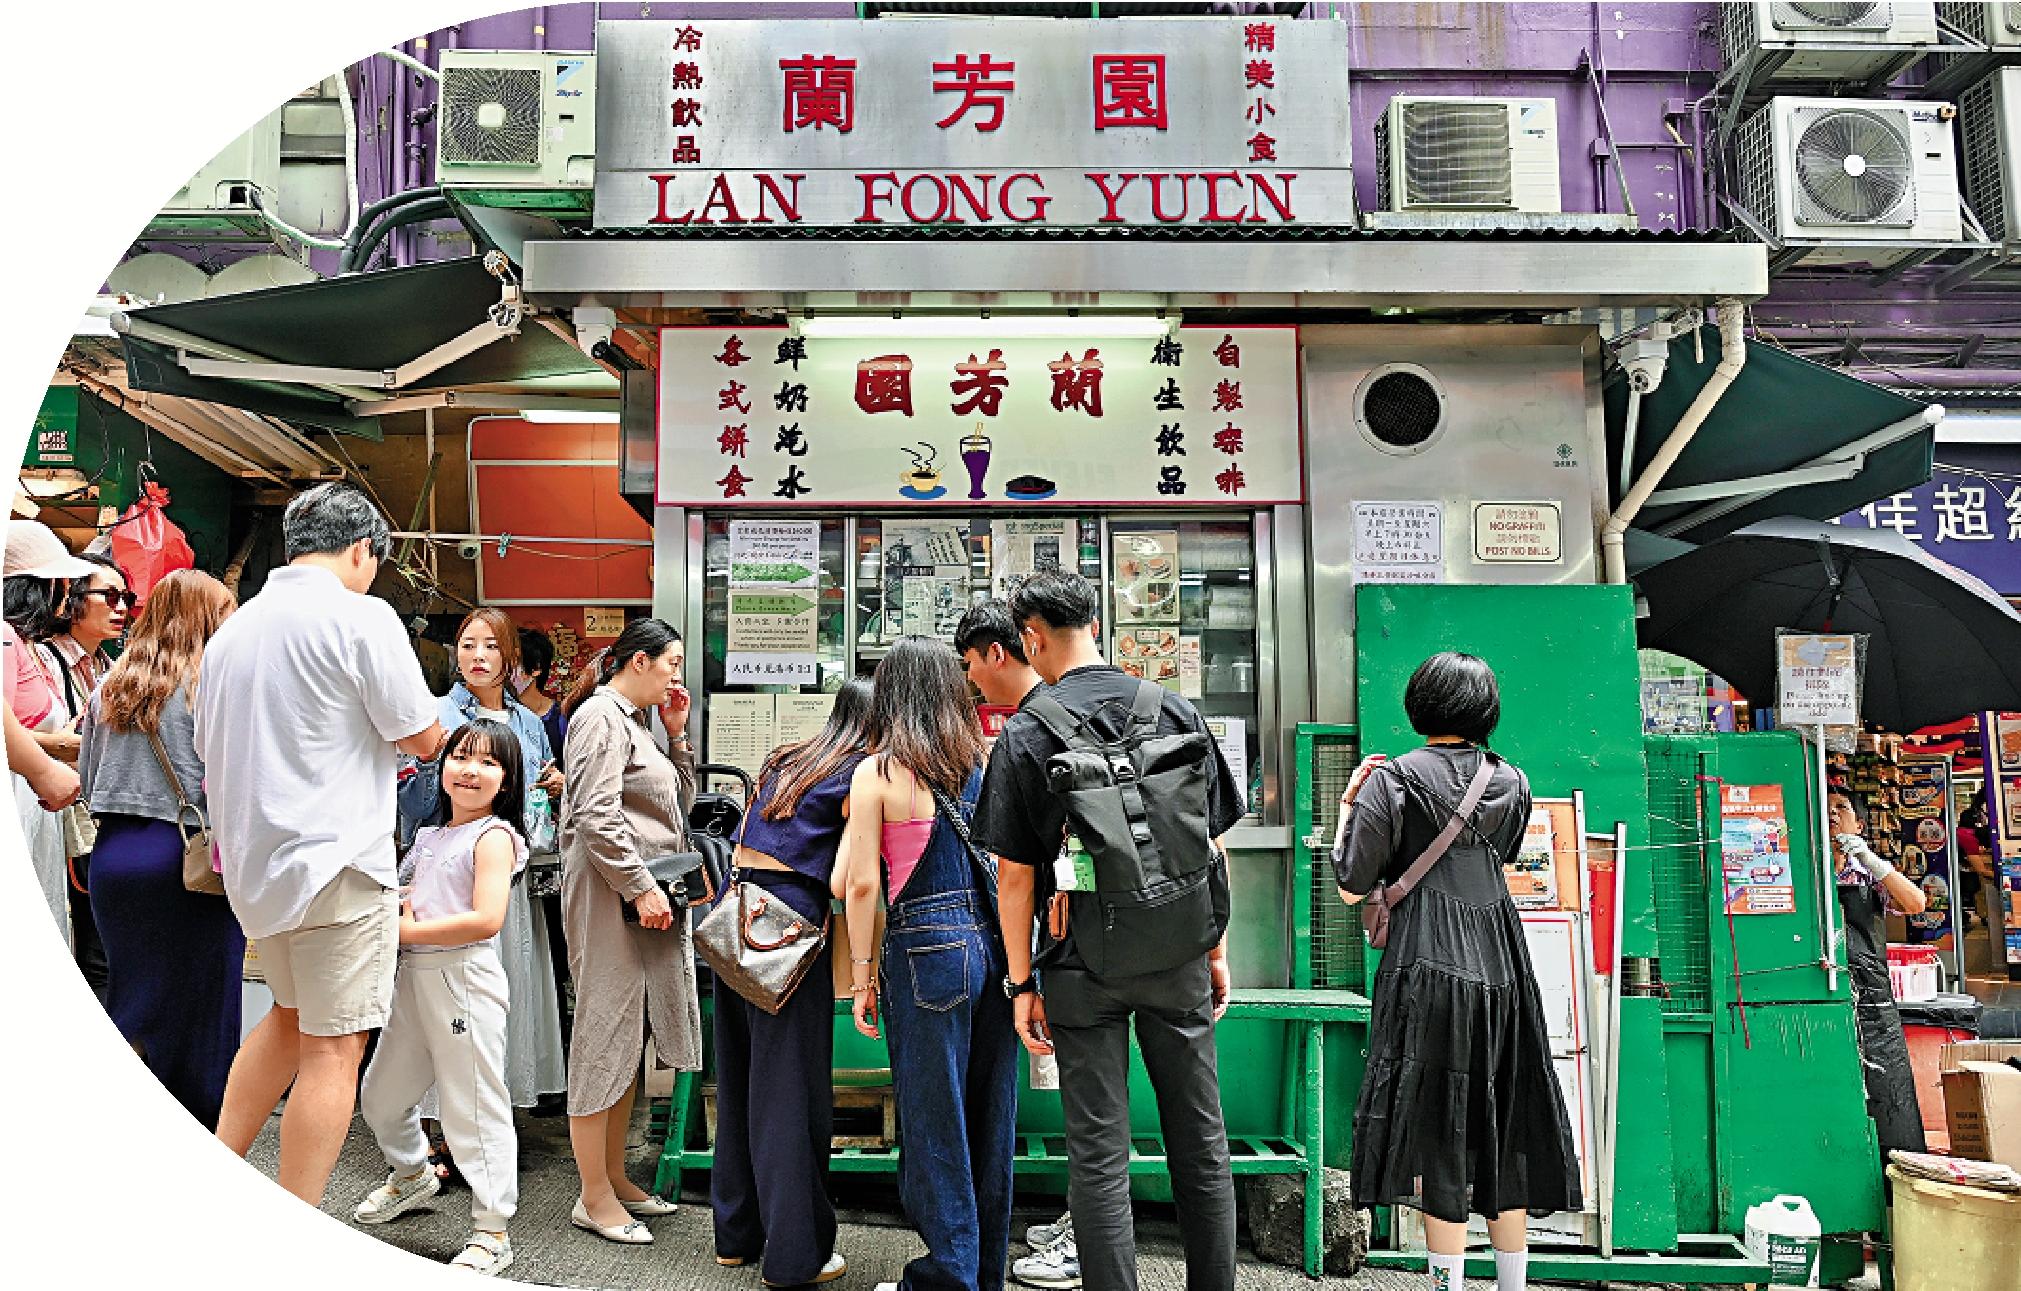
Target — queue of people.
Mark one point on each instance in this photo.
(375, 842)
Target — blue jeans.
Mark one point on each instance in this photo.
(955, 1068)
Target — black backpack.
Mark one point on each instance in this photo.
(1139, 807)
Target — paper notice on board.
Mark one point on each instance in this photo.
(1399, 542)
(1817, 680)
(801, 717)
(932, 605)
(1232, 735)
(1021, 548)
(935, 556)
(1533, 875)
(741, 730)
(1754, 847)
(1189, 666)
(772, 623)
(775, 553)
(771, 670)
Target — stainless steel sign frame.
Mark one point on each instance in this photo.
(1239, 122)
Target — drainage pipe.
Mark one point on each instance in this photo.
(1732, 357)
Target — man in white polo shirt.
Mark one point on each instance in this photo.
(305, 695)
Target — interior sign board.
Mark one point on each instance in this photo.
(1517, 533)
(1239, 121)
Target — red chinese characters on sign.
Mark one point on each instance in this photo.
(1078, 385)
(1231, 481)
(983, 383)
(1227, 396)
(1262, 147)
(732, 396)
(1259, 72)
(1130, 90)
(884, 384)
(687, 76)
(733, 483)
(689, 39)
(972, 81)
(1228, 439)
(687, 112)
(686, 153)
(1259, 37)
(820, 90)
(734, 440)
(733, 352)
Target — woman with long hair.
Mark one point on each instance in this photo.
(953, 1048)
(1460, 1110)
(173, 955)
(775, 1095)
(625, 803)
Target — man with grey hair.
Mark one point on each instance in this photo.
(306, 695)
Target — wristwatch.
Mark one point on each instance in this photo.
(1012, 990)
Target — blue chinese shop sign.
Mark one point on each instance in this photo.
(1969, 514)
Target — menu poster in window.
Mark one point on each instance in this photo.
(1151, 654)
(1147, 577)
(1533, 875)
(1021, 548)
(1232, 735)
(1754, 845)
(800, 717)
(1399, 542)
(927, 553)
(741, 731)
(775, 553)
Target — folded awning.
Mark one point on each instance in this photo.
(1789, 438)
(330, 353)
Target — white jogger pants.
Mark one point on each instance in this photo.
(448, 1029)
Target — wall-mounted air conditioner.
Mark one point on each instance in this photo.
(517, 128)
(1467, 154)
(1995, 24)
(1989, 139)
(249, 167)
(1805, 40)
(1822, 171)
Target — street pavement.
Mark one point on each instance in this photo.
(549, 1251)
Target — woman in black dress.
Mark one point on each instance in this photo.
(1869, 887)
(1460, 1111)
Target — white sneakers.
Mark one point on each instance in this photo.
(1057, 1266)
(834, 1268)
(1043, 1237)
(486, 1254)
(397, 1196)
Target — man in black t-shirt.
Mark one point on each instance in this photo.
(1086, 1018)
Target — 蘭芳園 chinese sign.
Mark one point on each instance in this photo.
(757, 416)
(1240, 122)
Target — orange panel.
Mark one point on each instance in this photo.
(540, 501)
(514, 439)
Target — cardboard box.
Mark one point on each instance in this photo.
(1955, 1056)
(1982, 1103)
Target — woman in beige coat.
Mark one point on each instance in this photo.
(625, 801)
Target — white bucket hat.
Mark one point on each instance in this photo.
(35, 550)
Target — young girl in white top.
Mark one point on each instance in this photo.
(449, 999)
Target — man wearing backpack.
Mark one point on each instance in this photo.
(1104, 802)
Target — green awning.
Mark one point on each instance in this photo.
(368, 321)
(1784, 428)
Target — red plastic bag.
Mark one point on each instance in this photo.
(147, 544)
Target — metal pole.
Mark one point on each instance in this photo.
(1828, 888)
(1613, 1119)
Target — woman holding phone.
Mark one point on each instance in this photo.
(625, 802)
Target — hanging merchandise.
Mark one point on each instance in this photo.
(147, 544)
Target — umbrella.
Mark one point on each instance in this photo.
(1940, 642)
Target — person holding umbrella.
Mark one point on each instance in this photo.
(1867, 886)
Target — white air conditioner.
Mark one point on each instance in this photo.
(1989, 141)
(1996, 25)
(517, 128)
(1823, 171)
(248, 168)
(1805, 40)
(1467, 154)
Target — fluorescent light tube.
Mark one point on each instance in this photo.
(825, 327)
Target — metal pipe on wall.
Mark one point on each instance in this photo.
(1732, 357)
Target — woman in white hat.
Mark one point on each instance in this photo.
(38, 573)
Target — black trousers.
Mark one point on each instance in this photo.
(775, 1113)
(84, 941)
(1090, 1019)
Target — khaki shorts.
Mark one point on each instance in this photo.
(336, 968)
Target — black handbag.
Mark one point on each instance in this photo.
(682, 877)
(715, 821)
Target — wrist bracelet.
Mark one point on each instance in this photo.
(862, 961)
(858, 990)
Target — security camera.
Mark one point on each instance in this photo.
(468, 548)
(594, 326)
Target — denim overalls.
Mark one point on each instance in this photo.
(954, 1064)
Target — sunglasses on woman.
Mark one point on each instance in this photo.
(115, 597)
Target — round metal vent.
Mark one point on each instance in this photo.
(1400, 408)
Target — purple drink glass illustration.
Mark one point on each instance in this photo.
(975, 456)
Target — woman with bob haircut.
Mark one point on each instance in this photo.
(775, 1087)
(173, 956)
(954, 1060)
(1460, 1111)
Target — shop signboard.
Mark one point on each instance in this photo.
(1235, 123)
(1968, 514)
(763, 417)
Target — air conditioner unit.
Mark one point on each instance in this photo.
(226, 195)
(1996, 25)
(517, 128)
(1804, 40)
(1989, 131)
(1823, 171)
(1467, 154)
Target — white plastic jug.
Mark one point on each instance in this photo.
(1784, 1234)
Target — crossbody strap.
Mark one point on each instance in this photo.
(1400, 889)
(983, 869)
(182, 803)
